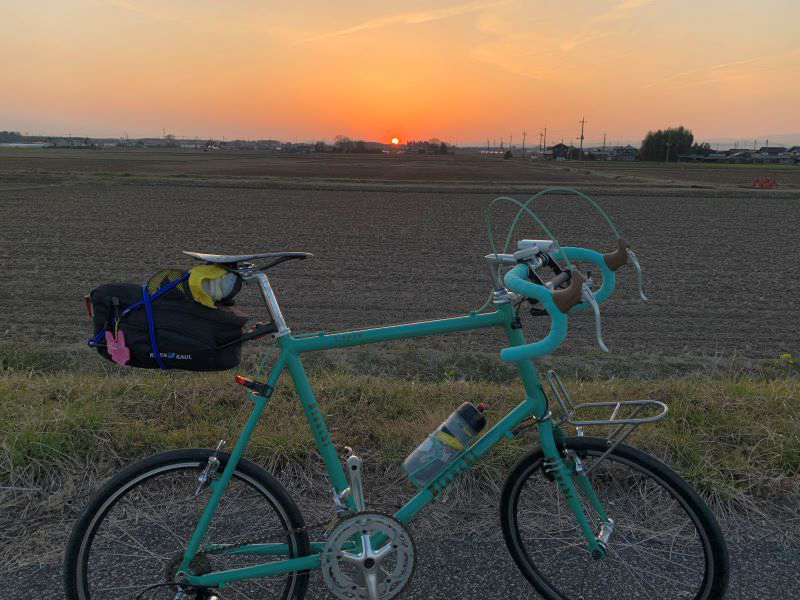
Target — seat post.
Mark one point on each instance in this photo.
(269, 299)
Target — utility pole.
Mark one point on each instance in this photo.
(545, 140)
(667, 159)
(488, 149)
(580, 155)
(524, 133)
(766, 152)
(604, 146)
(511, 143)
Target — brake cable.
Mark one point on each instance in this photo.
(523, 209)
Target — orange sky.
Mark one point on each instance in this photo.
(460, 71)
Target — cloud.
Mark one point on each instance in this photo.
(730, 70)
(515, 51)
(591, 32)
(409, 18)
(132, 7)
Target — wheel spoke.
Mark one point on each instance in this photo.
(656, 551)
(140, 540)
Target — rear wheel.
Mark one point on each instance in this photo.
(132, 534)
(666, 543)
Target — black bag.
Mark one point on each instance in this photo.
(188, 335)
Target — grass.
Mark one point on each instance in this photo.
(735, 438)
(69, 420)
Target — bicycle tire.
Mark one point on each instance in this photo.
(548, 547)
(115, 507)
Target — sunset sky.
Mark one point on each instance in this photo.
(459, 71)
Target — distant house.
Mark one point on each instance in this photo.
(559, 152)
(774, 158)
(624, 152)
(740, 157)
(600, 152)
(772, 150)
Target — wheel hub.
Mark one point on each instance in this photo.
(368, 556)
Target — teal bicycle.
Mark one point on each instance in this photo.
(583, 517)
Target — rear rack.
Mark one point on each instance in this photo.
(624, 424)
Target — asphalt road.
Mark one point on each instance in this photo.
(454, 568)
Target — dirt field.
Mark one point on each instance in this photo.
(721, 271)
(22, 164)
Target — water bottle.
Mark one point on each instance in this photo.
(445, 443)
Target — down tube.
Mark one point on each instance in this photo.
(317, 424)
(463, 462)
(532, 405)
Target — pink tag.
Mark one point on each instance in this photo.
(117, 349)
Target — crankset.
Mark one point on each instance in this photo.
(368, 556)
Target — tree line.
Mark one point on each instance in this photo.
(668, 144)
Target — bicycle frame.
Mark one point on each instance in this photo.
(291, 348)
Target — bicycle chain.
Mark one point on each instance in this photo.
(263, 540)
(330, 523)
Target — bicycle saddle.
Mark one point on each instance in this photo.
(235, 258)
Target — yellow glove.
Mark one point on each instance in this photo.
(212, 275)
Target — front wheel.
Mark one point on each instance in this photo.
(129, 540)
(666, 543)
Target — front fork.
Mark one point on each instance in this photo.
(569, 474)
(566, 476)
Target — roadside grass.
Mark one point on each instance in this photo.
(735, 438)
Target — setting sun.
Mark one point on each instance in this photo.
(395, 141)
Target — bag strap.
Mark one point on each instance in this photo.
(146, 299)
(151, 326)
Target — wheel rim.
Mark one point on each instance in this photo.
(659, 549)
(145, 524)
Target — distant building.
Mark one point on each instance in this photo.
(559, 152)
(600, 153)
(739, 157)
(772, 150)
(624, 153)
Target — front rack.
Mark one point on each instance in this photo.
(625, 424)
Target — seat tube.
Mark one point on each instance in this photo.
(317, 424)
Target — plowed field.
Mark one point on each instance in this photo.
(721, 271)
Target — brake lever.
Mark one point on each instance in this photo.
(588, 297)
(639, 277)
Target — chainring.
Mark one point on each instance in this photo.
(353, 570)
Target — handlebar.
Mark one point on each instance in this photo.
(559, 302)
(516, 280)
